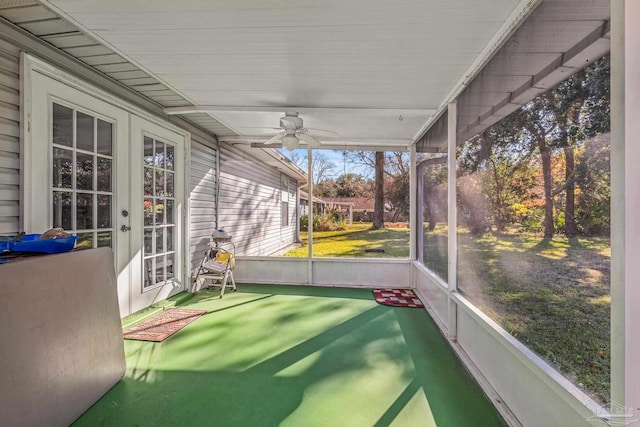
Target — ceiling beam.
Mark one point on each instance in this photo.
(508, 28)
(194, 109)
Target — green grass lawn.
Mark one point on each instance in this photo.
(552, 295)
(353, 241)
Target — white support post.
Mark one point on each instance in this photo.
(419, 195)
(625, 205)
(617, 203)
(412, 204)
(310, 217)
(452, 222)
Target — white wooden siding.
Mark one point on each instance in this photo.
(250, 204)
(202, 198)
(9, 137)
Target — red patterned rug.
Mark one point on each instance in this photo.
(162, 325)
(397, 297)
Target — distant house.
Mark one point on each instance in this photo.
(363, 207)
(324, 205)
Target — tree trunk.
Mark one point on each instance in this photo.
(545, 155)
(378, 214)
(570, 227)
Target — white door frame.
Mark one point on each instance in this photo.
(30, 65)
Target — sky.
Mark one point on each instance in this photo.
(336, 156)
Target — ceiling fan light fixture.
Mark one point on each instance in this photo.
(290, 142)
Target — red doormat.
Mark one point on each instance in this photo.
(162, 325)
(397, 297)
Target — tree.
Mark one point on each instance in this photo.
(352, 185)
(322, 167)
(395, 177)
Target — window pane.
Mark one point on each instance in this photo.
(105, 138)
(104, 239)
(148, 241)
(84, 132)
(434, 214)
(85, 241)
(169, 178)
(84, 171)
(104, 211)
(84, 211)
(169, 157)
(159, 154)
(533, 235)
(148, 212)
(148, 151)
(62, 210)
(104, 174)
(62, 125)
(62, 167)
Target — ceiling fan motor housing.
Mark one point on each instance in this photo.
(291, 122)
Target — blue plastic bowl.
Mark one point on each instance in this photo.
(30, 243)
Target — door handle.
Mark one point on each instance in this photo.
(125, 228)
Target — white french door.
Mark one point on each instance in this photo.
(111, 178)
(157, 199)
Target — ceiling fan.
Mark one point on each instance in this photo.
(293, 133)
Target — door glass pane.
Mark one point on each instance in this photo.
(169, 157)
(104, 174)
(149, 280)
(148, 212)
(159, 233)
(159, 154)
(169, 231)
(104, 239)
(62, 210)
(169, 211)
(84, 132)
(159, 183)
(62, 167)
(62, 125)
(169, 182)
(84, 211)
(148, 151)
(84, 171)
(159, 210)
(159, 240)
(160, 262)
(170, 262)
(105, 138)
(104, 211)
(80, 163)
(148, 241)
(85, 241)
(148, 182)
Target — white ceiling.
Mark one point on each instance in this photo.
(357, 65)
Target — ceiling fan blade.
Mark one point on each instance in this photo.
(324, 130)
(308, 139)
(274, 139)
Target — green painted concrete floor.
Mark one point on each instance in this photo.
(295, 356)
